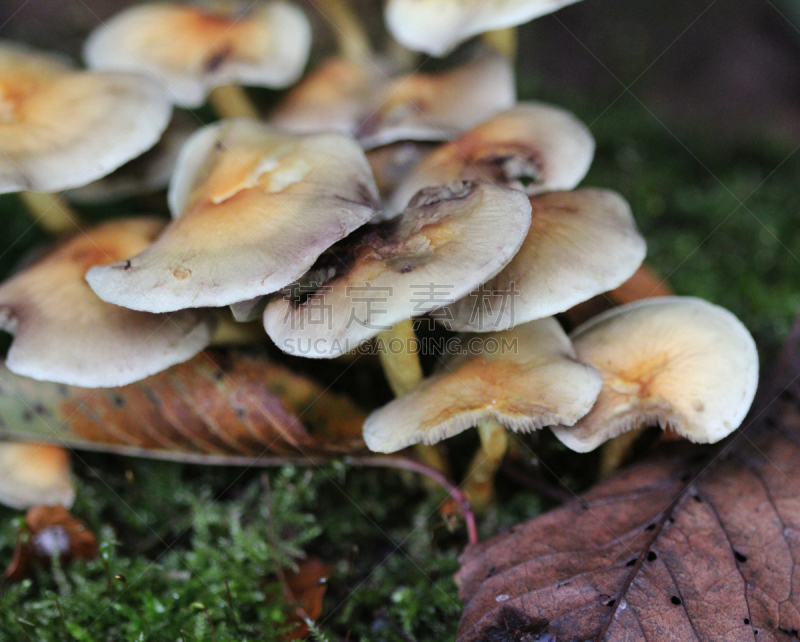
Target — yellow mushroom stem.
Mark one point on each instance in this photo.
(353, 41)
(403, 372)
(232, 101)
(479, 481)
(229, 332)
(51, 212)
(615, 451)
(504, 41)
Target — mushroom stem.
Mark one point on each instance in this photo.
(51, 212)
(350, 34)
(232, 101)
(504, 41)
(615, 451)
(232, 333)
(403, 372)
(479, 480)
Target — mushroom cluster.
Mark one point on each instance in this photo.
(372, 195)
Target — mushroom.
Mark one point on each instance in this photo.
(680, 362)
(392, 163)
(580, 244)
(525, 378)
(360, 98)
(190, 50)
(533, 147)
(454, 236)
(64, 333)
(439, 26)
(253, 208)
(34, 475)
(61, 128)
(145, 174)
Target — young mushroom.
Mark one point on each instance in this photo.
(253, 208)
(61, 128)
(34, 475)
(360, 98)
(533, 147)
(439, 26)
(190, 50)
(580, 244)
(678, 362)
(448, 240)
(525, 379)
(64, 333)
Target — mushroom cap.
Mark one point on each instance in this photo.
(679, 361)
(439, 106)
(332, 97)
(580, 244)
(150, 172)
(530, 379)
(64, 333)
(253, 208)
(392, 163)
(439, 26)
(360, 98)
(451, 237)
(34, 475)
(533, 147)
(190, 50)
(61, 128)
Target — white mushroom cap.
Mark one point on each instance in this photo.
(525, 378)
(64, 333)
(360, 98)
(580, 244)
(332, 97)
(439, 26)
(61, 128)
(253, 208)
(678, 361)
(439, 106)
(190, 50)
(453, 237)
(34, 475)
(533, 147)
(147, 173)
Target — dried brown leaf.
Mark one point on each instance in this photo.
(219, 406)
(306, 589)
(700, 544)
(49, 532)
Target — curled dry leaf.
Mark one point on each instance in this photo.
(696, 545)
(49, 532)
(306, 588)
(219, 405)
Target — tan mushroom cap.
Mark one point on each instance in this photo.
(439, 106)
(61, 128)
(150, 172)
(190, 50)
(34, 475)
(363, 99)
(332, 97)
(253, 208)
(525, 378)
(64, 333)
(450, 239)
(580, 244)
(392, 163)
(677, 361)
(533, 147)
(439, 26)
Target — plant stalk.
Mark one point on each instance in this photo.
(350, 35)
(232, 101)
(51, 212)
(479, 481)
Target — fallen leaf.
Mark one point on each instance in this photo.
(700, 544)
(219, 406)
(49, 532)
(306, 589)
